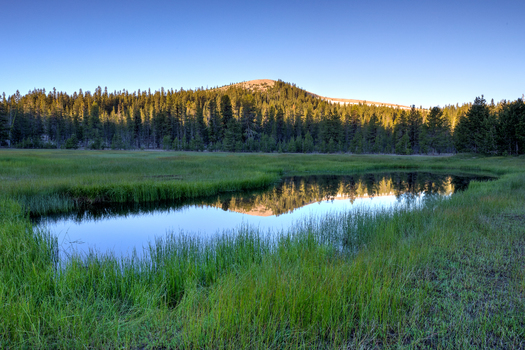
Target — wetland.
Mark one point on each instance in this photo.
(429, 269)
(121, 228)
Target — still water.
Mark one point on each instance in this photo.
(120, 228)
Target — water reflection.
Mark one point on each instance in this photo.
(121, 227)
(296, 192)
(291, 193)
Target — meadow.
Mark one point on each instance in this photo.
(449, 274)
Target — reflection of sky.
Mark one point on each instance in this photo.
(122, 234)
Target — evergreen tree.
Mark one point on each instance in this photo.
(176, 145)
(308, 146)
(299, 144)
(379, 144)
(248, 118)
(16, 133)
(511, 128)
(331, 128)
(72, 142)
(331, 146)
(371, 133)
(359, 141)
(403, 145)
(4, 126)
(226, 113)
(214, 123)
(478, 129)
(463, 141)
(184, 143)
(199, 143)
(94, 125)
(278, 132)
(233, 136)
(401, 135)
(166, 142)
(436, 132)
(415, 127)
(264, 144)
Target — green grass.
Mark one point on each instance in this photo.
(447, 275)
(56, 181)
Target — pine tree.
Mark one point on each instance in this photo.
(401, 135)
(299, 144)
(232, 136)
(480, 128)
(166, 142)
(16, 132)
(226, 113)
(436, 132)
(248, 117)
(264, 144)
(331, 127)
(511, 128)
(415, 127)
(184, 143)
(4, 127)
(308, 146)
(213, 121)
(358, 141)
(72, 142)
(176, 145)
(463, 141)
(372, 133)
(279, 125)
(331, 146)
(403, 145)
(379, 143)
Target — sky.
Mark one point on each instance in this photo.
(425, 53)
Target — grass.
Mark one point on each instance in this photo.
(447, 275)
(56, 181)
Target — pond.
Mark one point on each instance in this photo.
(120, 228)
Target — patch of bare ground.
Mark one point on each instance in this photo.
(254, 85)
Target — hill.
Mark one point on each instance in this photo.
(265, 84)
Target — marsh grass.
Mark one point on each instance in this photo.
(444, 274)
(46, 181)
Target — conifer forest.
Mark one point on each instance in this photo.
(278, 118)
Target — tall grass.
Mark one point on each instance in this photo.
(445, 274)
(174, 270)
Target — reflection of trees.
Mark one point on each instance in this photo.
(424, 183)
(294, 192)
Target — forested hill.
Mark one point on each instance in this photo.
(265, 84)
(267, 116)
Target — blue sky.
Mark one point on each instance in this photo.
(408, 52)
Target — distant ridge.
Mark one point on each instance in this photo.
(263, 84)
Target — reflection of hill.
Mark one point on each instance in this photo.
(290, 194)
(296, 192)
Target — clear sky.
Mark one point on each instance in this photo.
(408, 52)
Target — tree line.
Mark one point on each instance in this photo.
(280, 118)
